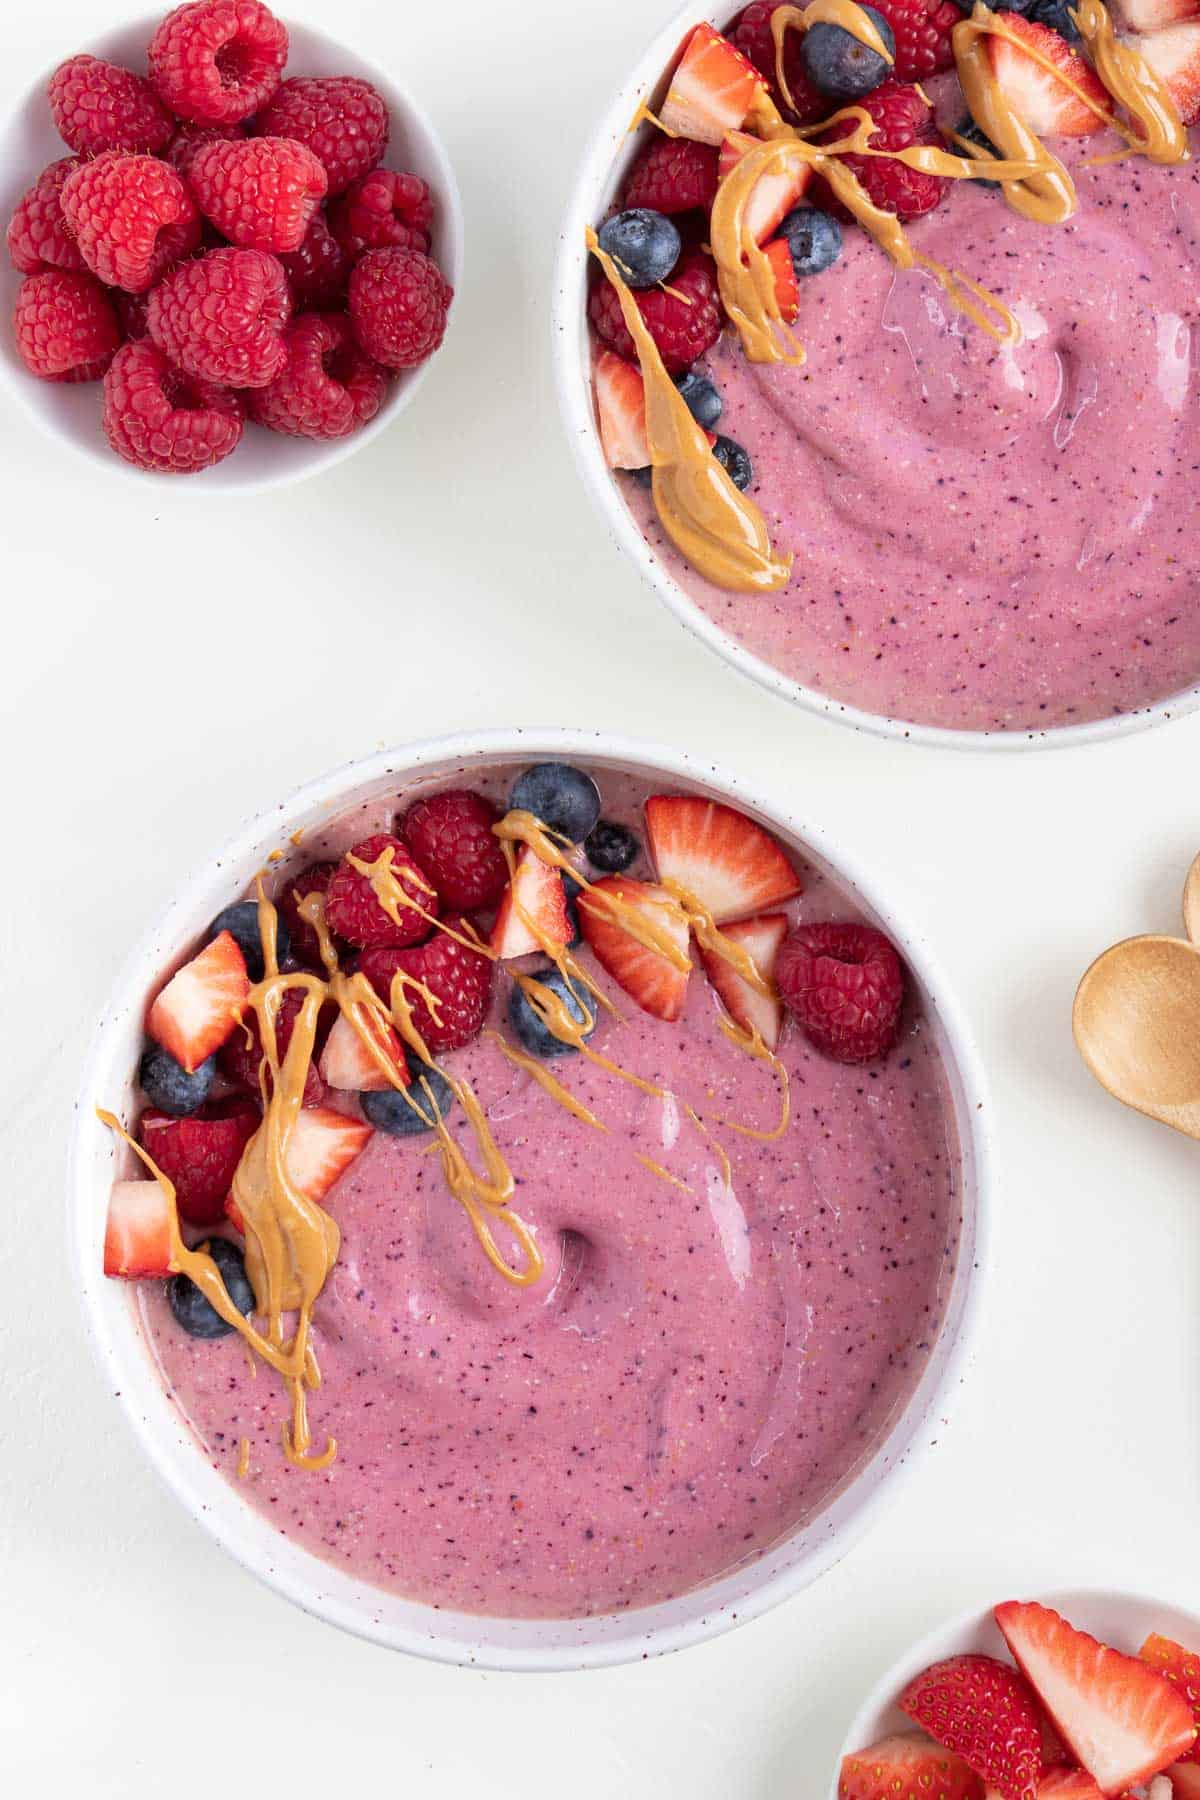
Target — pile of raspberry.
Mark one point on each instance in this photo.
(223, 245)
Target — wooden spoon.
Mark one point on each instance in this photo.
(1137, 1023)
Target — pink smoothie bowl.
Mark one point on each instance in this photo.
(127, 1368)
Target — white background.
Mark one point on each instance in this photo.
(171, 666)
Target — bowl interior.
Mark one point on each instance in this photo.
(263, 459)
(319, 1587)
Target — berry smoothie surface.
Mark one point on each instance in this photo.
(704, 1363)
(985, 538)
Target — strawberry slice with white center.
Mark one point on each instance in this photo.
(775, 193)
(647, 976)
(723, 859)
(907, 1768)
(1155, 15)
(535, 891)
(322, 1145)
(347, 1063)
(986, 1713)
(787, 287)
(1174, 55)
(137, 1235)
(621, 408)
(1039, 95)
(712, 90)
(748, 1008)
(1185, 1781)
(1122, 1720)
(202, 1002)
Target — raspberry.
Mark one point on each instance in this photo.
(240, 1057)
(451, 836)
(218, 61)
(398, 302)
(343, 121)
(922, 30)
(221, 317)
(383, 210)
(132, 216)
(98, 106)
(37, 235)
(260, 193)
(328, 387)
(903, 118)
(65, 326)
(459, 979)
(320, 269)
(683, 328)
(200, 1155)
(844, 983)
(355, 914)
(673, 175)
(306, 948)
(751, 33)
(190, 138)
(158, 418)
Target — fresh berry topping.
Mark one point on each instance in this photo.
(987, 1714)
(200, 1005)
(320, 1148)
(844, 983)
(1174, 55)
(703, 398)
(343, 121)
(907, 1768)
(393, 1114)
(306, 946)
(157, 417)
(241, 1057)
(459, 979)
(644, 245)
(723, 859)
(732, 456)
(839, 64)
(131, 310)
(191, 138)
(921, 29)
(218, 61)
(610, 847)
(1072, 1784)
(1038, 97)
(533, 913)
(751, 32)
(348, 1064)
(328, 387)
(654, 981)
(385, 210)
(561, 796)
(319, 271)
(171, 1088)
(533, 1034)
(132, 217)
(37, 237)
(787, 287)
(712, 90)
(1182, 1669)
(196, 1315)
(1122, 1719)
(65, 326)
(1185, 1783)
(902, 117)
(259, 192)
(814, 239)
(241, 921)
(621, 410)
(673, 175)
(137, 1233)
(399, 300)
(1155, 15)
(774, 193)
(199, 1156)
(451, 836)
(354, 911)
(684, 322)
(222, 316)
(753, 1011)
(97, 106)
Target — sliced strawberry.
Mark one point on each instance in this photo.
(1061, 1784)
(137, 1237)
(987, 1714)
(1182, 1669)
(787, 288)
(1123, 1721)
(621, 405)
(711, 91)
(646, 975)
(1155, 15)
(773, 195)
(321, 1147)
(907, 1768)
(536, 890)
(745, 1005)
(1044, 102)
(348, 1065)
(1174, 55)
(730, 864)
(1185, 1781)
(202, 1002)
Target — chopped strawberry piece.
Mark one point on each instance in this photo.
(774, 194)
(726, 861)
(1037, 95)
(348, 1065)
(1155, 15)
(459, 979)
(1174, 55)
(645, 974)
(621, 404)
(202, 1002)
(321, 1147)
(787, 288)
(907, 1768)
(1182, 1669)
(535, 899)
(1066, 1784)
(987, 1714)
(199, 1155)
(748, 1008)
(1185, 1781)
(712, 90)
(137, 1236)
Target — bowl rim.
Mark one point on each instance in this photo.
(325, 454)
(105, 1068)
(570, 354)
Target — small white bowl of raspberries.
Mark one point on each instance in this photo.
(232, 248)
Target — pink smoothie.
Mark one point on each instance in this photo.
(998, 540)
(702, 1366)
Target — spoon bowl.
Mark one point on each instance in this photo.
(1137, 1024)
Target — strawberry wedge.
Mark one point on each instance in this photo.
(726, 861)
(647, 976)
(1155, 15)
(1038, 95)
(744, 1004)
(907, 1768)
(787, 288)
(535, 891)
(347, 1064)
(137, 1234)
(201, 1004)
(711, 91)
(621, 407)
(321, 1148)
(773, 195)
(1182, 1669)
(1174, 55)
(1185, 1781)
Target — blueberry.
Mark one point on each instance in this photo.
(814, 239)
(611, 847)
(241, 920)
(565, 799)
(703, 398)
(390, 1112)
(572, 889)
(1055, 15)
(529, 1028)
(841, 65)
(971, 131)
(644, 245)
(192, 1310)
(734, 460)
(168, 1086)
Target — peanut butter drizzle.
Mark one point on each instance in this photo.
(1160, 133)
(243, 1461)
(550, 1083)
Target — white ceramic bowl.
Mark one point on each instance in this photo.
(318, 1586)
(1122, 1620)
(263, 459)
(609, 155)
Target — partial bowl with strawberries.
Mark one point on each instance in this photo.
(240, 281)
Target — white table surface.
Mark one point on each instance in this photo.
(170, 668)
